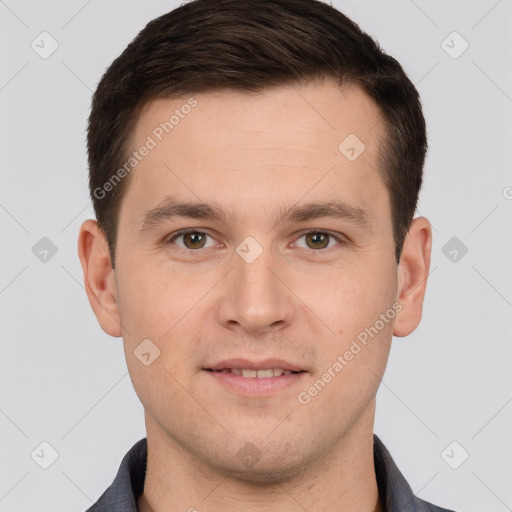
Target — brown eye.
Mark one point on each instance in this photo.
(192, 240)
(318, 240)
(195, 239)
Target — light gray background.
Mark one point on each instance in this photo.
(64, 381)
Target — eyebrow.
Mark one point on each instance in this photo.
(171, 208)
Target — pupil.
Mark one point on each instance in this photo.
(319, 239)
(195, 238)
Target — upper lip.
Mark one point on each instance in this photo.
(254, 365)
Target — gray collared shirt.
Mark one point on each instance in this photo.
(396, 494)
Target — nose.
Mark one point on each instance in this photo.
(256, 298)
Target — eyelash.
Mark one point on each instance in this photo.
(182, 232)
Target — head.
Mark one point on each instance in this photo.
(250, 123)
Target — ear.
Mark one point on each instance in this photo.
(99, 277)
(412, 276)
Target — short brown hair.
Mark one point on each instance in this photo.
(250, 45)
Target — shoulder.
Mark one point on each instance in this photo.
(396, 493)
(128, 484)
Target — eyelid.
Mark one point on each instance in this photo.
(339, 238)
(169, 239)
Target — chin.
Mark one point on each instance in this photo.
(264, 474)
(276, 464)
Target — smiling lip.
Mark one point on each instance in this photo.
(254, 365)
(255, 386)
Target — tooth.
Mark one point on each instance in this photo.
(261, 374)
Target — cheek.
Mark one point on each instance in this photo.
(353, 298)
(162, 306)
(358, 307)
(152, 299)
(158, 315)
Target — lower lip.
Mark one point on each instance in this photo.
(255, 386)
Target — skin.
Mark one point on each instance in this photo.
(255, 155)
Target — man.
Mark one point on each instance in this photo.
(255, 168)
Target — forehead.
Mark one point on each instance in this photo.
(282, 141)
(283, 113)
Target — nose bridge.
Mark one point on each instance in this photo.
(256, 277)
(256, 298)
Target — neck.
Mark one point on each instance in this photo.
(343, 479)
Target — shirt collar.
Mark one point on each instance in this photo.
(395, 493)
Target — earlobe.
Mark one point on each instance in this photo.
(99, 277)
(413, 272)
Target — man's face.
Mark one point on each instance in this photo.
(257, 286)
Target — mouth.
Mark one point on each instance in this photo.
(255, 369)
(249, 373)
(255, 378)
